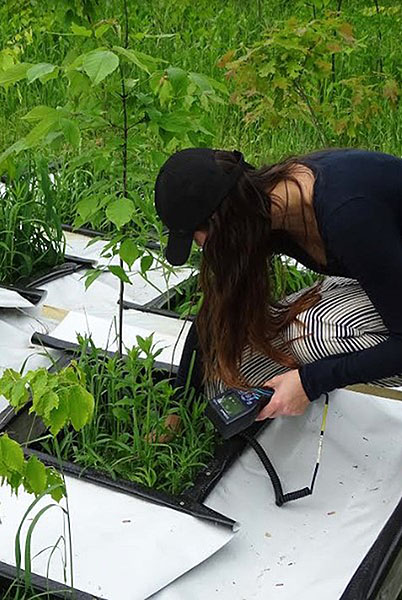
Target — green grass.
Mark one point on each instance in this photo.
(31, 238)
(17, 592)
(125, 436)
(195, 36)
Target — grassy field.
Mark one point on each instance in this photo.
(195, 36)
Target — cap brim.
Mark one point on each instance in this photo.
(178, 248)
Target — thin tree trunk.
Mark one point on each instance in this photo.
(124, 161)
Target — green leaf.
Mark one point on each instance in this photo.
(11, 454)
(39, 132)
(58, 417)
(201, 81)
(218, 85)
(178, 78)
(81, 406)
(35, 475)
(40, 112)
(71, 131)
(102, 29)
(38, 381)
(55, 479)
(119, 272)
(143, 61)
(91, 276)
(14, 74)
(79, 30)
(145, 344)
(165, 91)
(45, 403)
(131, 83)
(155, 81)
(146, 263)
(39, 71)
(128, 252)
(17, 147)
(78, 83)
(6, 59)
(120, 211)
(87, 207)
(98, 64)
(121, 414)
(7, 382)
(178, 122)
(19, 394)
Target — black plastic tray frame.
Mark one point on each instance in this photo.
(160, 305)
(31, 294)
(190, 503)
(71, 264)
(372, 572)
(57, 591)
(47, 341)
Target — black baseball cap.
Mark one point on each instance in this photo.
(189, 188)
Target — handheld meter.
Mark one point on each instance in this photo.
(235, 410)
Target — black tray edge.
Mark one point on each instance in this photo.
(375, 566)
(48, 341)
(8, 574)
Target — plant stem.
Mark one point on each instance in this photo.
(379, 35)
(124, 158)
(316, 123)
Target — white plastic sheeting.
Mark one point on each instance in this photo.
(124, 548)
(12, 299)
(310, 548)
(158, 279)
(165, 332)
(20, 319)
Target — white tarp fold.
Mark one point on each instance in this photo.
(124, 548)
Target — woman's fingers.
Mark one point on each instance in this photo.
(269, 411)
(288, 399)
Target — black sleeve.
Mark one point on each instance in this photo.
(365, 237)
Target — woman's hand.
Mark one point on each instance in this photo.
(289, 397)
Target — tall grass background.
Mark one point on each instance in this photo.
(195, 36)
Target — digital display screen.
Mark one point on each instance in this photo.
(232, 405)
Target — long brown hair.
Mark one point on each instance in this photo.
(235, 276)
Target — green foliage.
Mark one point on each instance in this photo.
(31, 474)
(119, 100)
(31, 236)
(98, 64)
(129, 435)
(165, 107)
(288, 277)
(291, 75)
(57, 398)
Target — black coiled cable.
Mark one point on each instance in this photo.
(280, 497)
